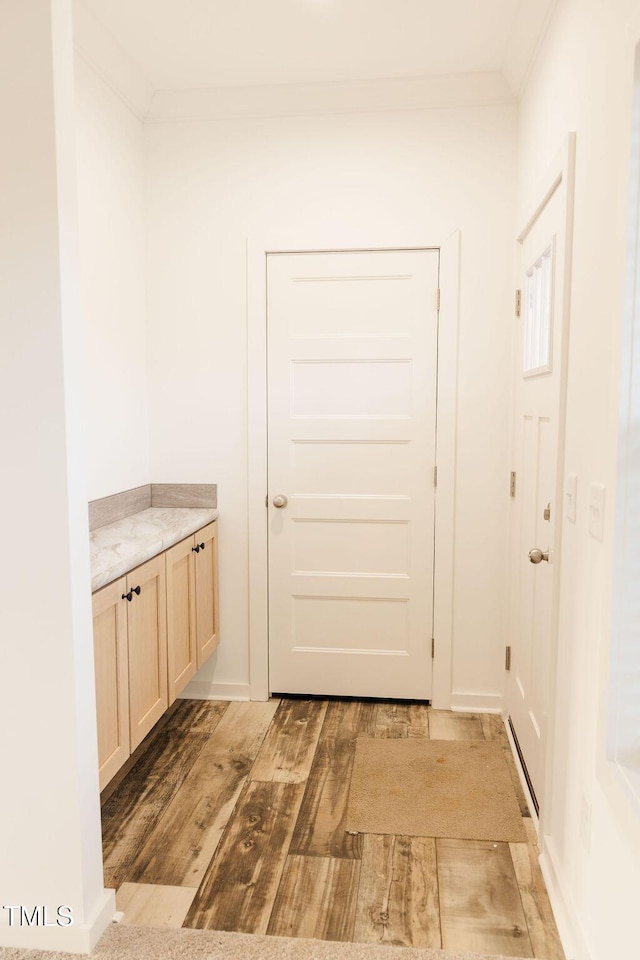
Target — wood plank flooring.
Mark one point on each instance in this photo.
(235, 818)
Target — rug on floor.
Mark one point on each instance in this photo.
(145, 943)
(459, 789)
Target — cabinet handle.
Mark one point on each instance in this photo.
(195, 549)
(202, 546)
(136, 590)
(128, 596)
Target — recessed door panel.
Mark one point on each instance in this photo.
(351, 388)
(350, 625)
(356, 468)
(351, 547)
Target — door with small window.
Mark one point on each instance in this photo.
(538, 396)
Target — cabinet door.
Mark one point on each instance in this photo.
(112, 683)
(181, 615)
(207, 630)
(147, 631)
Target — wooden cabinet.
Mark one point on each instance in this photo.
(192, 605)
(112, 678)
(181, 615)
(207, 629)
(147, 636)
(151, 631)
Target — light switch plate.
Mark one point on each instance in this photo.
(596, 510)
(571, 495)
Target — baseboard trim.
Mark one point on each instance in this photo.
(76, 938)
(564, 911)
(524, 783)
(566, 917)
(476, 702)
(209, 690)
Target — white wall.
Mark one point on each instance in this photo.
(428, 172)
(49, 801)
(583, 82)
(111, 193)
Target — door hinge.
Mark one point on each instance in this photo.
(266, 500)
(433, 648)
(512, 484)
(518, 303)
(438, 299)
(507, 658)
(435, 476)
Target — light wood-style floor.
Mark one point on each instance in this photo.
(234, 819)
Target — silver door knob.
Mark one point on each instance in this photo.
(537, 556)
(280, 501)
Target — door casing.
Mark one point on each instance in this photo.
(258, 247)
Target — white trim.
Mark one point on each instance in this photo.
(619, 794)
(527, 35)
(561, 175)
(309, 99)
(521, 776)
(446, 447)
(548, 193)
(476, 702)
(566, 918)
(621, 749)
(257, 250)
(257, 468)
(564, 911)
(76, 938)
(211, 690)
(101, 51)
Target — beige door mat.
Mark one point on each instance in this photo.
(459, 789)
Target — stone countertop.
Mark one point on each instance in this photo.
(118, 547)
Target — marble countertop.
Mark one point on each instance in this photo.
(118, 547)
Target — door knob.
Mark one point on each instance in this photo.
(537, 556)
(280, 501)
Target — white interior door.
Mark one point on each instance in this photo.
(352, 362)
(538, 399)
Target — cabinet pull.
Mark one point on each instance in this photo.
(195, 549)
(136, 590)
(128, 596)
(202, 546)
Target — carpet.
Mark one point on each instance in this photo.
(459, 789)
(144, 943)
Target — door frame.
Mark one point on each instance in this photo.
(559, 177)
(258, 248)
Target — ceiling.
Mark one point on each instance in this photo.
(193, 44)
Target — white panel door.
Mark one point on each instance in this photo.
(536, 508)
(352, 363)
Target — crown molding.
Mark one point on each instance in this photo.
(101, 51)
(529, 30)
(288, 100)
